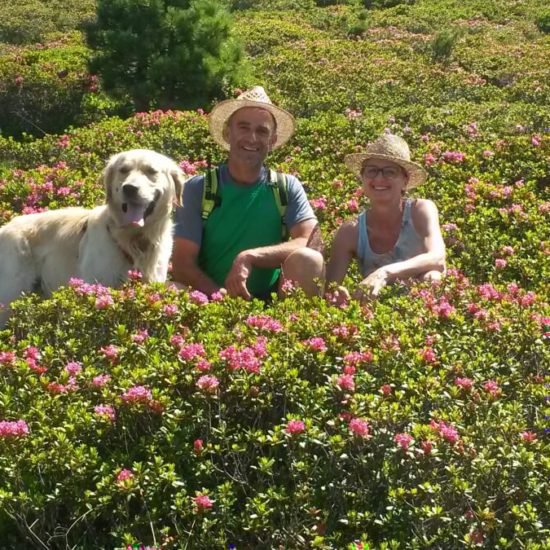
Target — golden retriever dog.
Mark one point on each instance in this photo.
(133, 230)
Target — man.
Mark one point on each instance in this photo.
(239, 245)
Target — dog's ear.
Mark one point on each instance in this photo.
(179, 179)
(107, 177)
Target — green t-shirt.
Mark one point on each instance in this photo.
(247, 217)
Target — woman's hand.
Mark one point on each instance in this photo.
(371, 286)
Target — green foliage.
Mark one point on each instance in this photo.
(165, 53)
(270, 487)
(443, 44)
(543, 22)
(43, 86)
(469, 353)
(28, 21)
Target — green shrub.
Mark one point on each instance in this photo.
(407, 423)
(444, 43)
(29, 21)
(543, 23)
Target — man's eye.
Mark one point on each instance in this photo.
(390, 172)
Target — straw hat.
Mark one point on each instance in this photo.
(388, 147)
(255, 97)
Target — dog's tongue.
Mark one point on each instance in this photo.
(134, 215)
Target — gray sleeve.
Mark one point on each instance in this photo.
(298, 209)
(188, 218)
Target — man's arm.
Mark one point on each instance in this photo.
(185, 269)
(266, 257)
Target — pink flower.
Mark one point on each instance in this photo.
(492, 388)
(203, 365)
(208, 383)
(140, 336)
(73, 368)
(190, 351)
(56, 387)
(315, 344)
(100, 380)
(124, 477)
(319, 204)
(7, 357)
(295, 427)
(427, 447)
(464, 383)
(346, 382)
(528, 437)
(198, 297)
(105, 301)
(105, 411)
(110, 352)
(13, 428)
(500, 263)
(446, 431)
(203, 502)
(403, 440)
(137, 394)
(356, 358)
(359, 427)
(170, 310)
(535, 141)
(217, 296)
(386, 389)
(198, 446)
(264, 322)
(428, 355)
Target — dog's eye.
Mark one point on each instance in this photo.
(124, 169)
(151, 171)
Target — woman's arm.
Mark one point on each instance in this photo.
(343, 250)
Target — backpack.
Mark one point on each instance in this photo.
(211, 197)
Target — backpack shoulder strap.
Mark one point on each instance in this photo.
(279, 184)
(210, 193)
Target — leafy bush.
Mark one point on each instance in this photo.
(165, 420)
(163, 54)
(18, 26)
(543, 23)
(443, 44)
(43, 86)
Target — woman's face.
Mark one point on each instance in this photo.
(383, 180)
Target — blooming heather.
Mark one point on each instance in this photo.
(73, 368)
(190, 351)
(198, 297)
(264, 322)
(464, 383)
(105, 411)
(203, 502)
(346, 382)
(124, 476)
(295, 427)
(315, 344)
(359, 427)
(137, 394)
(100, 380)
(208, 383)
(13, 428)
(403, 440)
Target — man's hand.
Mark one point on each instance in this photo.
(371, 286)
(235, 282)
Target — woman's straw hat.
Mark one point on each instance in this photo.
(255, 97)
(388, 147)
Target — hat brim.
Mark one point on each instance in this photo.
(222, 112)
(417, 174)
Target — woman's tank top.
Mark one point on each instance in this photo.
(408, 244)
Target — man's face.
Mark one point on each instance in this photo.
(251, 134)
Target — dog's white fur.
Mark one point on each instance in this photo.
(45, 250)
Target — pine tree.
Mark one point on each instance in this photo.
(165, 53)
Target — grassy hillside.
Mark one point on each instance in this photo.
(144, 415)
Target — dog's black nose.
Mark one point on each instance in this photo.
(130, 191)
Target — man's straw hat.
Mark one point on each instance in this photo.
(255, 97)
(388, 147)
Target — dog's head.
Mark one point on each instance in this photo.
(141, 186)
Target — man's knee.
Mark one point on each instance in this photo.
(306, 268)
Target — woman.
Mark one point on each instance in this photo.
(395, 237)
